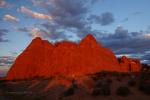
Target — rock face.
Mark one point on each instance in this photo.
(129, 64)
(65, 58)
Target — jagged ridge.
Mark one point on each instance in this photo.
(66, 58)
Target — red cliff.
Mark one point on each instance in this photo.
(129, 64)
(65, 58)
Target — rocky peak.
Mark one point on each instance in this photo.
(89, 40)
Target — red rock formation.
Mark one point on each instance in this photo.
(65, 58)
(30, 62)
(129, 64)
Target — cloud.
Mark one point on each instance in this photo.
(105, 18)
(5, 63)
(3, 32)
(125, 19)
(146, 58)
(125, 51)
(10, 18)
(4, 4)
(52, 31)
(6, 60)
(122, 41)
(23, 29)
(137, 13)
(34, 14)
(36, 32)
(48, 2)
(120, 33)
(37, 2)
(147, 35)
(95, 1)
(121, 38)
(68, 13)
(68, 16)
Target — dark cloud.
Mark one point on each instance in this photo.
(137, 13)
(124, 42)
(23, 29)
(120, 33)
(125, 51)
(70, 16)
(121, 38)
(54, 31)
(146, 58)
(95, 1)
(105, 18)
(139, 45)
(69, 13)
(6, 60)
(5, 63)
(125, 20)
(3, 32)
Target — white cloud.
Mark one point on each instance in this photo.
(10, 18)
(37, 33)
(147, 35)
(34, 14)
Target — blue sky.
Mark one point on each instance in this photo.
(122, 25)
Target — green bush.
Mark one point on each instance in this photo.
(96, 91)
(115, 73)
(119, 79)
(69, 92)
(109, 80)
(105, 91)
(122, 91)
(131, 83)
(144, 87)
(101, 88)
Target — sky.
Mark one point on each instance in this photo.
(122, 25)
